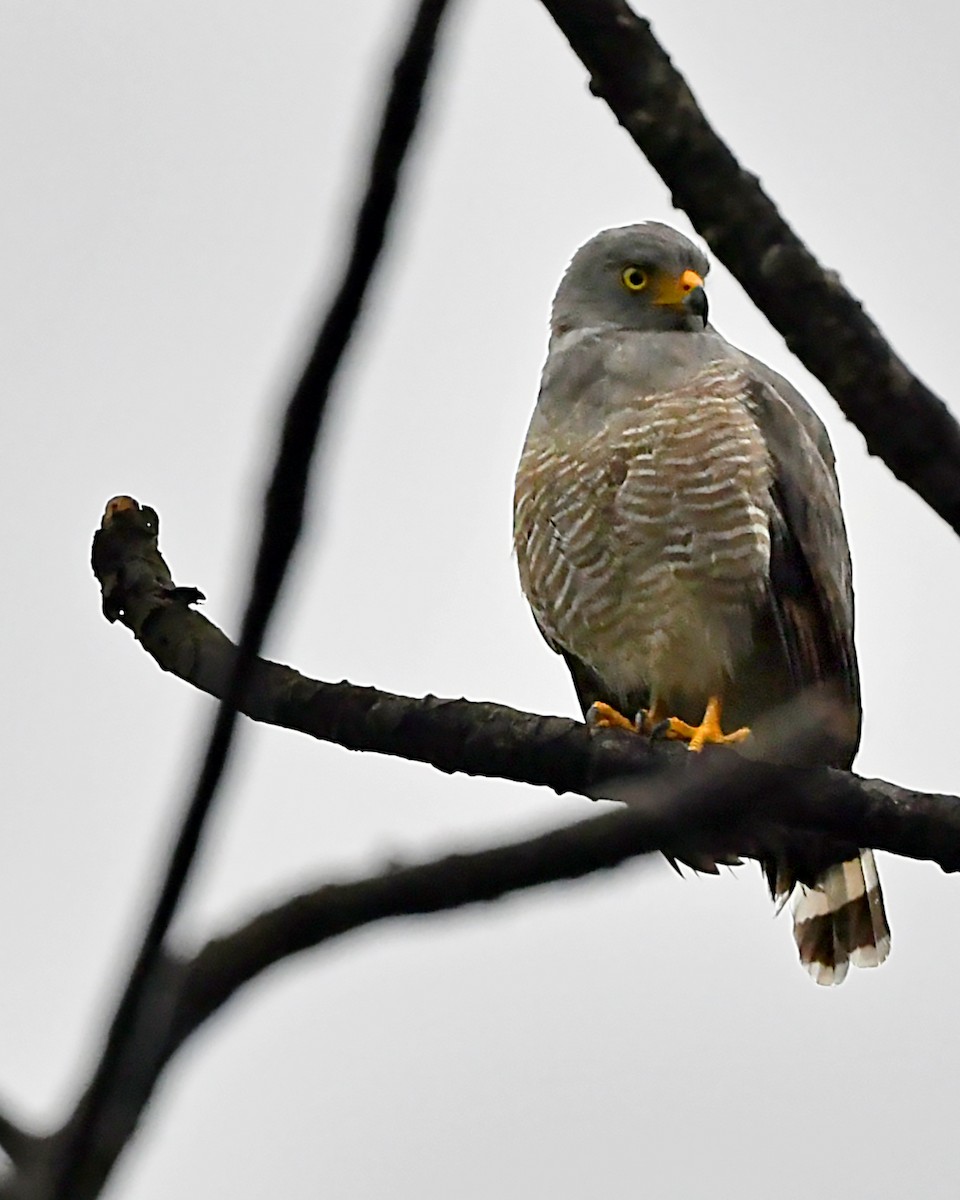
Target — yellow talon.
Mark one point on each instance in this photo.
(602, 716)
(709, 732)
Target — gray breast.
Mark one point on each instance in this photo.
(644, 547)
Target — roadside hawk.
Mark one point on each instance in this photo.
(679, 537)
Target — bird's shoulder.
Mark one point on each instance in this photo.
(591, 373)
(777, 401)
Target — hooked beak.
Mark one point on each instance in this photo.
(696, 303)
(685, 294)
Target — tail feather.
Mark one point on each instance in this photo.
(874, 954)
(840, 920)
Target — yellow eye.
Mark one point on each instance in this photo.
(634, 280)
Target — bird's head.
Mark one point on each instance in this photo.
(643, 277)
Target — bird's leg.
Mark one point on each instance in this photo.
(650, 721)
(655, 720)
(709, 732)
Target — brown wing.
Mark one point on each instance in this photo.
(811, 594)
(811, 590)
(839, 916)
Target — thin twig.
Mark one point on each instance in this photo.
(282, 521)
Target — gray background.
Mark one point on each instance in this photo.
(176, 181)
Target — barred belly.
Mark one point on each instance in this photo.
(644, 547)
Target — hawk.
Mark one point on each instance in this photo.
(679, 537)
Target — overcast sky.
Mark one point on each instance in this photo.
(177, 178)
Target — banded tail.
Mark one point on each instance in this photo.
(840, 920)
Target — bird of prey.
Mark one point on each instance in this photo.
(679, 537)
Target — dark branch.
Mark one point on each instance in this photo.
(903, 422)
(490, 739)
(184, 993)
(722, 800)
(16, 1143)
(707, 804)
(81, 1171)
(711, 804)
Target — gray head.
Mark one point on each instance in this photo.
(645, 277)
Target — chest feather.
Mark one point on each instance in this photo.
(650, 536)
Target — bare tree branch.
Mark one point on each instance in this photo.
(185, 993)
(902, 420)
(16, 1143)
(80, 1171)
(676, 802)
(490, 739)
(722, 800)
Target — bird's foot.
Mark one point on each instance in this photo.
(655, 723)
(708, 733)
(602, 716)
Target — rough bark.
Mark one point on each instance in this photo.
(490, 739)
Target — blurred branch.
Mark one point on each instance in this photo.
(721, 800)
(902, 420)
(80, 1171)
(490, 739)
(724, 801)
(15, 1142)
(710, 803)
(187, 992)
